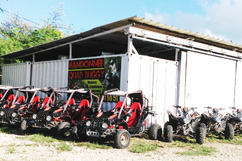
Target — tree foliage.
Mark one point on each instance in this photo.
(17, 34)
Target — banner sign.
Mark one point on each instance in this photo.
(96, 74)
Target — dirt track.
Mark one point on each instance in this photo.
(14, 148)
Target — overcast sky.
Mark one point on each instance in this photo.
(218, 18)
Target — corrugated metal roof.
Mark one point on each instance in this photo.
(140, 23)
(177, 31)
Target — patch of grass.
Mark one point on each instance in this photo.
(182, 144)
(212, 139)
(47, 141)
(8, 130)
(221, 139)
(235, 141)
(10, 150)
(142, 147)
(39, 138)
(202, 150)
(94, 145)
(64, 147)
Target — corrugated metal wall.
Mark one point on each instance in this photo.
(50, 74)
(16, 74)
(44, 74)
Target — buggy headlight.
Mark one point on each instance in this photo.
(48, 118)
(88, 123)
(2, 113)
(14, 114)
(34, 116)
(104, 125)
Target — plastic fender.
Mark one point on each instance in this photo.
(113, 116)
(99, 114)
(120, 127)
(23, 107)
(58, 110)
(47, 109)
(13, 106)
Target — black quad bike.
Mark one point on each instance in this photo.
(235, 119)
(185, 124)
(86, 100)
(34, 114)
(216, 123)
(126, 119)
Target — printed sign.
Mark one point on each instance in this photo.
(96, 74)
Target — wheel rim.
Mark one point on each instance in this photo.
(23, 125)
(124, 139)
(67, 131)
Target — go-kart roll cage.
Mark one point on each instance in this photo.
(8, 88)
(117, 92)
(82, 91)
(21, 89)
(34, 92)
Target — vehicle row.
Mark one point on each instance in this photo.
(80, 114)
(191, 123)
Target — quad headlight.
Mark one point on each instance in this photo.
(88, 123)
(14, 114)
(2, 113)
(104, 125)
(48, 118)
(34, 116)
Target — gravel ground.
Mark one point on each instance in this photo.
(13, 148)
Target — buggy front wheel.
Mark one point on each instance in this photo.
(78, 134)
(64, 130)
(74, 135)
(122, 139)
(23, 127)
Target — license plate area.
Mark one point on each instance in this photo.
(93, 133)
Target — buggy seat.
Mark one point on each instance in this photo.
(72, 102)
(44, 103)
(119, 105)
(117, 109)
(35, 103)
(83, 109)
(70, 105)
(10, 99)
(135, 111)
(20, 100)
(35, 100)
